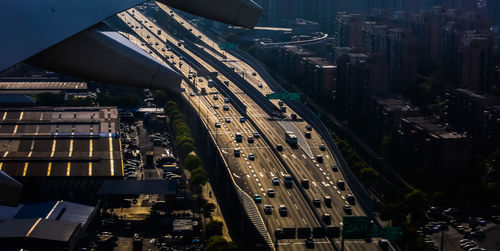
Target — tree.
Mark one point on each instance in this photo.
(198, 177)
(368, 175)
(180, 140)
(218, 243)
(185, 149)
(192, 162)
(208, 209)
(417, 198)
(214, 227)
(49, 99)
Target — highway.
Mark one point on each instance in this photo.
(254, 176)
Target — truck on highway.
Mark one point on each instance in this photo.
(291, 138)
(288, 181)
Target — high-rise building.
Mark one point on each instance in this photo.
(402, 59)
(475, 62)
(348, 30)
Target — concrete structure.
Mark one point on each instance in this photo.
(348, 30)
(32, 87)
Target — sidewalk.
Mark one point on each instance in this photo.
(217, 214)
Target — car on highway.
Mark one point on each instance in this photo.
(242, 119)
(216, 106)
(347, 209)
(309, 127)
(276, 181)
(256, 135)
(305, 183)
(237, 152)
(283, 211)
(279, 147)
(257, 198)
(226, 100)
(309, 242)
(225, 107)
(341, 184)
(308, 135)
(327, 218)
(251, 156)
(271, 193)
(238, 137)
(335, 168)
(328, 201)
(217, 124)
(260, 85)
(228, 120)
(250, 139)
(254, 74)
(216, 97)
(268, 209)
(316, 202)
(192, 94)
(322, 147)
(319, 158)
(351, 199)
(383, 244)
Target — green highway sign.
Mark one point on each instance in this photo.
(284, 96)
(363, 227)
(227, 46)
(357, 227)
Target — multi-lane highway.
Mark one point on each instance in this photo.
(254, 176)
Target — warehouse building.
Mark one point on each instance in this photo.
(60, 149)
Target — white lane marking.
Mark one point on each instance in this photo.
(321, 169)
(304, 156)
(303, 220)
(343, 197)
(328, 178)
(261, 174)
(293, 155)
(331, 182)
(338, 191)
(289, 194)
(295, 204)
(314, 183)
(318, 166)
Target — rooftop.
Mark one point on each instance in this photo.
(60, 141)
(433, 128)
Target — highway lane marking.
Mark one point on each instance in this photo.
(304, 156)
(261, 175)
(327, 156)
(328, 178)
(324, 173)
(338, 191)
(335, 187)
(303, 220)
(321, 169)
(331, 182)
(297, 207)
(289, 194)
(325, 184)
(314, 183)
(293, 155)
(4, 116)
(318, 166)
(284, 156)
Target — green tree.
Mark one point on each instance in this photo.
(185, 149)
(214, 227)
(368, 175)
(218, 243)
(198, 177)
(180, 140)
(208, 209)
(418, 198)
(192, 162)
(49, 99)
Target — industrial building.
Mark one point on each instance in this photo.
(60, 148)
(55, 225)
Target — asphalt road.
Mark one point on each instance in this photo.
(255, 176)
